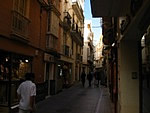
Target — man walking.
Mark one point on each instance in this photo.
(83, 75)
(89, 77)
(26, 93)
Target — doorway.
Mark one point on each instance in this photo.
(49, 72)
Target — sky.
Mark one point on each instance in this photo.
(95, 21)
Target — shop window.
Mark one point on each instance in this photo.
(19, 68)
(12, 71)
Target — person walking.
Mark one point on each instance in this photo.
(98, 78)
(103, 77)
(83, 75)
(26, 94)
(89, 77)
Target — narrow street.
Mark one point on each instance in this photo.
(77, 100)
(48, 46)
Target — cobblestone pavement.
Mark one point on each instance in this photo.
(77, 100)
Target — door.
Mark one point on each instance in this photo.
(47, 77)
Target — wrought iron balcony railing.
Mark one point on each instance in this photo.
(76, 33)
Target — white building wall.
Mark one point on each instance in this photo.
(84, 54)
(98, 52)
(88, 53)
(86, 30)
(85, 47)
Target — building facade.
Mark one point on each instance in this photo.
(98, 56)
(127, 59)
(22, 47)
(44, 37)
(71, 42)
(88, 49)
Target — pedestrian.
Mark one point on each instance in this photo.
(89, 77)
(97, 78)
(26, 94)
(103, 77)
(83, 75)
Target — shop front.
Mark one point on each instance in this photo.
(12, 70)
(50, 73)
(65, 74)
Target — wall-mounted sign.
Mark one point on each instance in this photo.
(48, 57)
(124, 24)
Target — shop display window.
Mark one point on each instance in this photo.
(12, 71)
(19, 68)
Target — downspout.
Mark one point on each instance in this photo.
(40, 26)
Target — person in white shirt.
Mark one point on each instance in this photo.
(26, 94)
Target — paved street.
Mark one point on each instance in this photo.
(77, 100)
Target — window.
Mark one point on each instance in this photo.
(72, 47)
(20, 22)
(48, 22)
(20, 6)
(51, 42)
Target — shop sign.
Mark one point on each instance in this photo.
(124, 24)
(48, 57)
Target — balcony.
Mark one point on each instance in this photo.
(67, 21)
(51, 42)
(20, 27)
(78, 9)
(76, 34)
